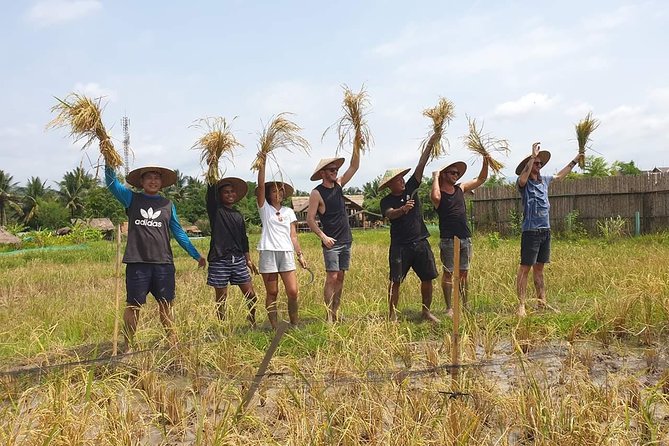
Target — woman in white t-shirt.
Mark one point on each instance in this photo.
(278, 242)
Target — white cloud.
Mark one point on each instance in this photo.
(526, 104)
(578, 110)
(94, 90)
(52, 12)
(610, 20)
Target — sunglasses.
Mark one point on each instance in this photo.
(278, 216)
(538, 163)
(453, 172)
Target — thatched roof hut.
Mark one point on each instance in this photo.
(7, 238)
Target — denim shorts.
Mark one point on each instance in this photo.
(447, 254)
(535, 247)
(337, 258)
(275, 261)
(144, 278)
(416, 255)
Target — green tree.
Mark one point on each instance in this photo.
(100, 203)
(623, 168)
(73, 188)
(34, 190)
(495, 180)
(193, 207)
(9, 197)
(177, 191)
(51, 214)
(596, 166)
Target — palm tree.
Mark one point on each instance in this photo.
(34, 190)
(177, 191)
(8, 196)
(73, 188)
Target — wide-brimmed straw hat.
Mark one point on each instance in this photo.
(168, 176)
(461, 167)
(287, 188)
(390, 175)
(324, 162)
(544, 156)
(238, 185)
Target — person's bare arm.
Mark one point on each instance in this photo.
(352, 169)
(525, 174)
(424, 157)
(435, 194)
(473, 184)
(296, 245)
(566, 169)
(314, 203)
(260, 195)
(393, 213)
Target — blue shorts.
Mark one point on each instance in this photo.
(144, 278)
(535, 247)
(447, 253)
(231, 271)
(337, 258)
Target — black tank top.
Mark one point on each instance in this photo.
(148, 230)
(453, 215)
(335, 219)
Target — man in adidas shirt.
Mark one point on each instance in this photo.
(148, 255)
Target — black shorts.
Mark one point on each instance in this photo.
(415, 255)
(144, 278)
(535, 247)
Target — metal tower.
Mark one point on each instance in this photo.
(125, 122)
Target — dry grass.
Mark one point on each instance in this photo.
(483, 144)
(352, 127)
(583, 131)
(84, 118)
(216, 143)
(280, 133)
(441, 115)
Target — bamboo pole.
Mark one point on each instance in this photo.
(281, 329)
(455, 345)
(118, 288)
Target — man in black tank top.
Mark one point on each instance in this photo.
(448, 199)
(409, 246)
(327, 201)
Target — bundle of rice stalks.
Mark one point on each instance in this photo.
(352, 127)
(441, 115)
(84, 117)
(281, 132)
(483, 144)
(218, 141)
(583, 131)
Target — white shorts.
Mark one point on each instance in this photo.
(276, 261)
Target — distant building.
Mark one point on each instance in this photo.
(659, 170)
(356, 214)
(7, 238)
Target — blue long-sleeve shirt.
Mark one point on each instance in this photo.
(124, 195)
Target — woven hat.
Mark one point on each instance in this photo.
(390, 175)
(544, 156)
(461, 166)
(168, 176)
(287, 188)
(238, 185)
(324, 162)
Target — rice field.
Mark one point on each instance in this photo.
(593, 372)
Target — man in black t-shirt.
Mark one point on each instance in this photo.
(448, 199)
(409, 246)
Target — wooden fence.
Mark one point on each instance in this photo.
(595, 199)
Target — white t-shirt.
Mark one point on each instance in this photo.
(275, 234)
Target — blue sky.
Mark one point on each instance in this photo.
(528, 70)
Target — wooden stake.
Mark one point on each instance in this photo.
(281, 329)
(118, 288)
(455, 346)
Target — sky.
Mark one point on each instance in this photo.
(528, 71)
